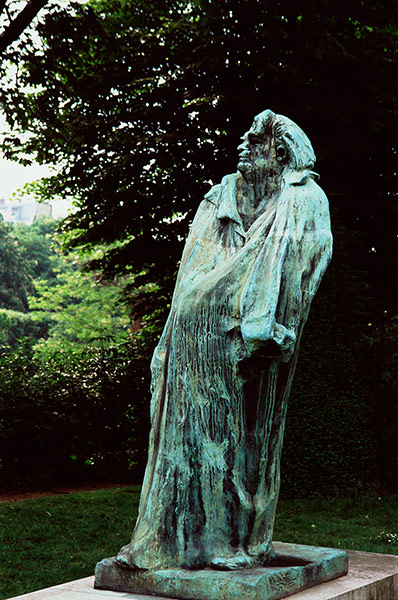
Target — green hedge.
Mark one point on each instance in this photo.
(331, 440)
(71, 415)
(15, 326)
(66, 415)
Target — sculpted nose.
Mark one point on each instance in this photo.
(243, 146)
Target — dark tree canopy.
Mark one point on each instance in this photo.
(143, 103)
(14, 19)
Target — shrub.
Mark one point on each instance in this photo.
(15, 325)
(67, 415)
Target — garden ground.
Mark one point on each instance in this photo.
(61, 536)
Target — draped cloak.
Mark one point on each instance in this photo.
(222, 372)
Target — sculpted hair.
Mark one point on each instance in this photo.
(298, 145)
(301, 153)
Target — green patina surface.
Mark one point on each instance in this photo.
(221, 374)
(296, 568)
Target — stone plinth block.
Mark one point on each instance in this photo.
(296, 568)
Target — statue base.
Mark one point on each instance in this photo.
(296, 568)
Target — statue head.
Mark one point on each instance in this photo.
(272, 143)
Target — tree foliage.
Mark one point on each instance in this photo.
(16, 326)
(143, 104)
(64, 305)
(26, 254)
(82, 309)
(73, 389)
(37, 244)
(15, 278)
(14, 19)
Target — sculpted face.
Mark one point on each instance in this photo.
(261, 154)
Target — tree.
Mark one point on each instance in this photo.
(15, 20)
(82, 310)
(15, 326)
(15, 280)
(27, 254)
(37, 243)
(136, 101)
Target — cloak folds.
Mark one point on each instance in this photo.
(221, 377)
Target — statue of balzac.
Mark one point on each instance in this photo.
(221, 374)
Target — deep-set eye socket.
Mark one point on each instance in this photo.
(280, 152)
(255, 139)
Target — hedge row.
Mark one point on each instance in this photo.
(71, 415)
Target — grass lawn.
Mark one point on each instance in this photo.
(47, 541)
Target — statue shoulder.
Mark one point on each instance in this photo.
(306, 200)
(215, 193)
(304, 183)
(304, 177)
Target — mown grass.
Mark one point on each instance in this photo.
(51, 540)
(367, 523)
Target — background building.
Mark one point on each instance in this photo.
(20, 211)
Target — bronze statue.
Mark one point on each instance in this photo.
(221, 374)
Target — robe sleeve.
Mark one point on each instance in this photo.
(293, 256)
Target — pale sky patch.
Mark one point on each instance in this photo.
(13, 177)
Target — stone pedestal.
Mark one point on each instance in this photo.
(296, 568)
(370, 576)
